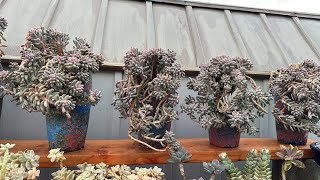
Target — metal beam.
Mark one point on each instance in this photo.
(98, 36)
(197, 45)
(306, 37)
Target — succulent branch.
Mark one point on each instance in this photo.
(177, 152)
(226, 96)
(262, 170)
(148, 93)
(251, 164)
(290, 156)
(51, 78)
(297, 91)
(3, 27)
(102, 171)
(20, 165)
(232, 171)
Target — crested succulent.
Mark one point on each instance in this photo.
(51, 78)
(256, 167)
(297, 89)
(102, 171)
(177, 153)
(20, 165)
(290, 156)
(226, 96)
(148, 93)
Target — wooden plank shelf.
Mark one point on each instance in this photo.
(114, 152)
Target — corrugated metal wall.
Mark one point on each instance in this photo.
(196, 33)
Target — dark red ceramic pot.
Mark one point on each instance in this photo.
(286, 136)
(225, 137)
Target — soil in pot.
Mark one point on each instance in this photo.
(68, 134)
(225, 137)
(286, 136)
(156, 132)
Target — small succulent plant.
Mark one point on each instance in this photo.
(148, 93)
(214, 167)
(102, 171)
(51, 78)
(3, 27)
(177, 152)
(20, 165)
(290, 156)
(226, 96)
(297, 93)
(256, 168)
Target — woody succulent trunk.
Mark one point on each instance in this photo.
(54, 81)
(297, 97)
(227, 100)
(148, 94)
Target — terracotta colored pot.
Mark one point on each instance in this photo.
(226, 137)
(286, 136)
(316, 150)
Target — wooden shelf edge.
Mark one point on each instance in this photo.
(114, 152)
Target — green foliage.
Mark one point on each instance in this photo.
(20, 165)
(214, 167)
(177, 152)
(51, 78)
(148, 93)
(256, 168)
(290, 155)
(251, 164)
(102, 171)
(298, 91)
(226, 96)
(263, 171)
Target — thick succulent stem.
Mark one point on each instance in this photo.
(4, 164)
(183, 175)
(283, 171)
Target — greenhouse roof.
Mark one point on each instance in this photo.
(196, 31)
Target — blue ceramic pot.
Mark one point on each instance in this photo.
(68, 134)
(316, 151)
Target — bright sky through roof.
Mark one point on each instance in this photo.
(306, 6)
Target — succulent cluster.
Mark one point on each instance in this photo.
(148, 93)
(102, 171)
(290, 156)
(51, 78)
(18, 166)
(256, 168)
(226, 96)
(214, 167)
(297, 92)
(3, 27)
(177, 153)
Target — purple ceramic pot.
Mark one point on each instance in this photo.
(225, 137)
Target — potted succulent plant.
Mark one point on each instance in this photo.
(227, 102)
(297, 102)
(57, 82)
(3, 26)
(148, 94)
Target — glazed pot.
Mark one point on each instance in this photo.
(315, 147)
(225, 137)
(160, 132)
(287, 136)
(68, 134)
